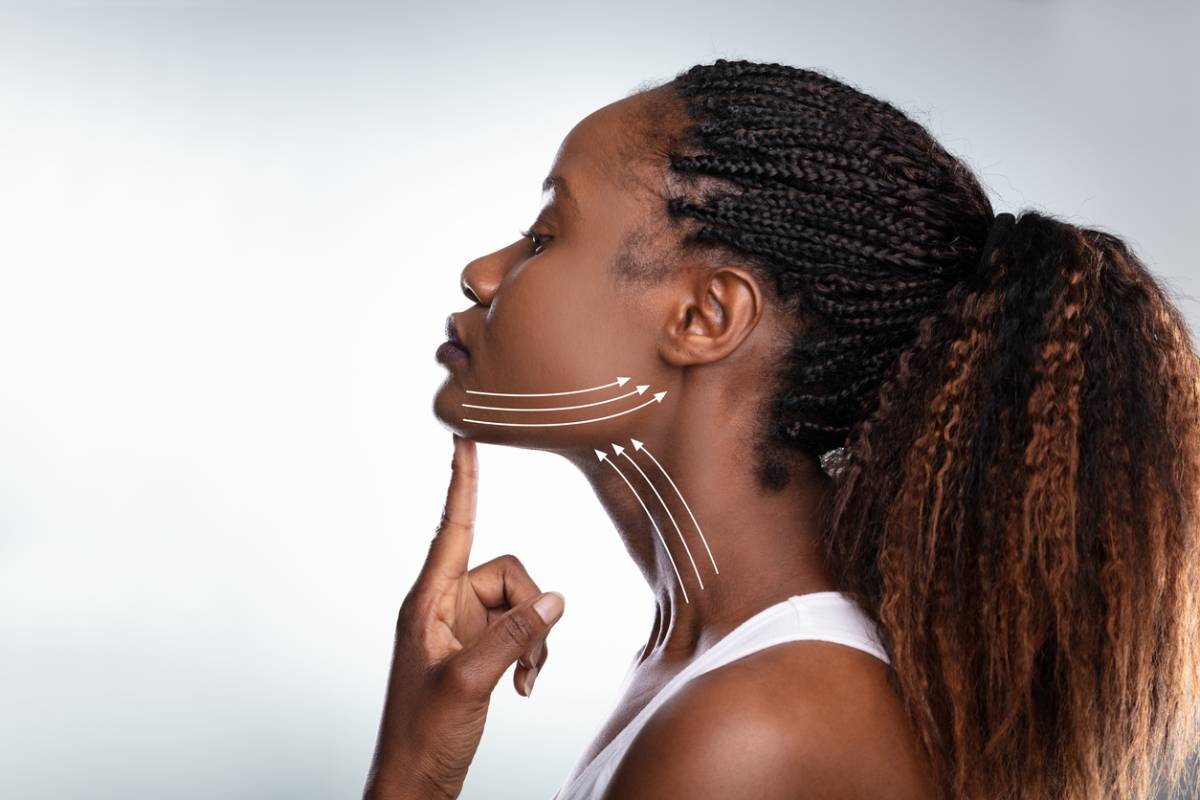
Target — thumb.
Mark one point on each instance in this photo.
(509, 636)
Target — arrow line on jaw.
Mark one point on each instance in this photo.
(603, 457)
(657, 399)
(618, 382)
(621, 452)
(639, 390)
(640, 446)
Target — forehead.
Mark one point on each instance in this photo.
(603, 154)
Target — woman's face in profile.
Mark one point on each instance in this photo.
(550, 314)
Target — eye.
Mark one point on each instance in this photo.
(537, 239)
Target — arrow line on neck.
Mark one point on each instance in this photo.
(640, 446)
(602, 455)
(621, 452)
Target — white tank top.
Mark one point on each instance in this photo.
(828, 616)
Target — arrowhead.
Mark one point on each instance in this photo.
(621, 381)
(636, 444)
(643, 388)
(659, 396)
(600, 454)
(618, 449)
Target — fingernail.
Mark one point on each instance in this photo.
(529, 678)
(549, 606)
(529, 660)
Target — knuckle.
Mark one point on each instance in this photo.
(515, 628)
(512, 562)
(463, 468)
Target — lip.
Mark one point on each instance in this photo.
(449, 353)
(452, 335)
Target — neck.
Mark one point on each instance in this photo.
(747, 548)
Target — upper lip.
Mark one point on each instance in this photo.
(452, 333)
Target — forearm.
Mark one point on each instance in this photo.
(405, 768)
(408, 784)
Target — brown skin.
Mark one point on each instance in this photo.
(559, 320)
(809, 719)
(457, 632)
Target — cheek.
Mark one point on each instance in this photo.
(563, 329)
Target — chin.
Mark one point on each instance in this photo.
(447, 407)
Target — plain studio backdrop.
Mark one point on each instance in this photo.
(230, 235)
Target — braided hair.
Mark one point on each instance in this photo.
(1014, 447)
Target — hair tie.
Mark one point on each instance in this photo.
(1001, 226)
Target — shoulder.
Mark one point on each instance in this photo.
(807, 719)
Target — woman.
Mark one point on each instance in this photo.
(914, 485)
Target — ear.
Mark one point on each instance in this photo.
(715, 313)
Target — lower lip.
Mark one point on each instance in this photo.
(448, 352)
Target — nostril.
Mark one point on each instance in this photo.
(469, 292)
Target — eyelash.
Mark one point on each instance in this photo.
(538, 239)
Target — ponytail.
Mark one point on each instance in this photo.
(1014, 448)
(1020, 512)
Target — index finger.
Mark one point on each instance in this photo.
(451, 546)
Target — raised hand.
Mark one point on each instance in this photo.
(457, 632)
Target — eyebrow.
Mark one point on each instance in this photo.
(558, 183)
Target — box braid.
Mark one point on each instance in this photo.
(851, 210)
(1014, 445)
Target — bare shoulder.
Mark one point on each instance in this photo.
(807, 720)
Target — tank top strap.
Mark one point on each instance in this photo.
(824, 616)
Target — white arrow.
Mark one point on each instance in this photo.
(657, 399)
(617, 382)
(621, 452)
(601, 455)
(640, 390)
(639, 446)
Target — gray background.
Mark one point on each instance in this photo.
(230, 236)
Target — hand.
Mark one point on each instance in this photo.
(457, 632)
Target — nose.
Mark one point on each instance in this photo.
(481, 278)
(471, 294)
